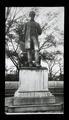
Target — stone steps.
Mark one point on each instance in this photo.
(47, 107)
(35, 108)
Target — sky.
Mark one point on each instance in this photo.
(42, 13)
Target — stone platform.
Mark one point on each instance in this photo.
(33, 93)
(51, 107)
(35, 108)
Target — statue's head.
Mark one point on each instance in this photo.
(32, 14)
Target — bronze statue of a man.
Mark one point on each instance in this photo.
(32, 30)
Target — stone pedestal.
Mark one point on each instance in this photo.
(33, 87)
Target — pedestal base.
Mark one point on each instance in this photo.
(34, 98)
(33, 89)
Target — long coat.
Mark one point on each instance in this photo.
(32, 28)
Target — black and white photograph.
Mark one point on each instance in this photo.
(34, 60)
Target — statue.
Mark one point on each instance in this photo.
(32, 30)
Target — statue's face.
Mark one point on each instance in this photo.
(32, 16)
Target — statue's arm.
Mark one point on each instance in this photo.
(39, 30)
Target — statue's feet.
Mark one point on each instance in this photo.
(37, 65)
(30, 65)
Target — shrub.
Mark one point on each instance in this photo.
(11, 77)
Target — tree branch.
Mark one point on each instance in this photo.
(14, 62)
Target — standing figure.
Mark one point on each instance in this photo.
(32, 30)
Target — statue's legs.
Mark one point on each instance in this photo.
(29, 57)
(37, 57)
(35, 42)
